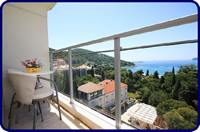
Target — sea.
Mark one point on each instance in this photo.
(161, 66)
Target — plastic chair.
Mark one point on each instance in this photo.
(26, 94)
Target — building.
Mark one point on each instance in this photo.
(145, 116)
(102, 94)
(92, 94)
(109, 92)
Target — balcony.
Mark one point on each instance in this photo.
(76, 115)
(51, 119)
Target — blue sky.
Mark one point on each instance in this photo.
(75, 23)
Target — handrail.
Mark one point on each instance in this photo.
(143, 47)
(154, 27)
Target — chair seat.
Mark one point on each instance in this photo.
(42, 93)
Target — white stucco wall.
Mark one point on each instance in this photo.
(25, 36)
(97, 101)
(109, 99)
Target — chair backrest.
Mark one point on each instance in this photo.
(24, 86)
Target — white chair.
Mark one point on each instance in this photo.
(26, 94)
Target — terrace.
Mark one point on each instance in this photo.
(24, 36)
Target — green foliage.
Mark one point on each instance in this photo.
(187, 68)
(145, 93)
(157, 97)
(173, 70)
(183, 118)
(162, 80)
(188, 114)
(170, 104)
(88, 78)
(132, 95)
(98, 59)
(155, 75)
(147, 73)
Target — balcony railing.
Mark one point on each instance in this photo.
(117, 49)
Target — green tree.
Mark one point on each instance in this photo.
(155, 75)
(145, 93)
(175, 91)
(175, 121)
(187, 68)
(147, 73)
(188, 114)
(157, 97)
(173, 79)
(182, 118)
(102, 75)
(170, 104)
(162, 80)
(173, 70)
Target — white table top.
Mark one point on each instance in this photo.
(42, 72)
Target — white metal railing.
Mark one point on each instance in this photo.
(116, 38)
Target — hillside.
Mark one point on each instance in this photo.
(98, 59)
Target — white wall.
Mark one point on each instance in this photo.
(109, 99)
(25, 36)
(97, 101)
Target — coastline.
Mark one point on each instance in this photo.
(130, 66)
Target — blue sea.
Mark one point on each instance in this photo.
(161, 66)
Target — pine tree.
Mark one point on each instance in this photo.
(173, 80)
(173, 70)
(162, 80)
(155, 75)
(102, 75)
(147, 73)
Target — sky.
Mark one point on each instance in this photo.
(74, 23)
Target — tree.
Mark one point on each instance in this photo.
(188, 114)
(182, 118)
(145, 93)
(173, 70)
(157, 97)
(147, 73)
(102, 75)
(175, 91)
(170, 104)
(155, 75)
(162, 80)
(187, 68)
(130, 74)
(92, 71)
(175, 121)
(173, 79)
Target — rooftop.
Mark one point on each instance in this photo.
(109, 85)
(90, 87)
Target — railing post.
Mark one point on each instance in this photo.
(117, 83)
(70, 76)
(51, 65)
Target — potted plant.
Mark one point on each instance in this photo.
(33, 65)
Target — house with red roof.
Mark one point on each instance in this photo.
(101, 94)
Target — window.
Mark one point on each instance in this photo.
(107, 102)
(100, 99)
(95, 94)
(99, 93)
(91, 96)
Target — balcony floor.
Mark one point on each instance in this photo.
(51, 119)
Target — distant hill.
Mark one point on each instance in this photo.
(98, 59)
(194, 58)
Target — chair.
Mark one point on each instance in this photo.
(26, 94)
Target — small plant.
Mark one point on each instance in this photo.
(34, 63)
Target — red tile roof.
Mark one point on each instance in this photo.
(109, 85)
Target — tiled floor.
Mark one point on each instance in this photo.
(51, 119)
